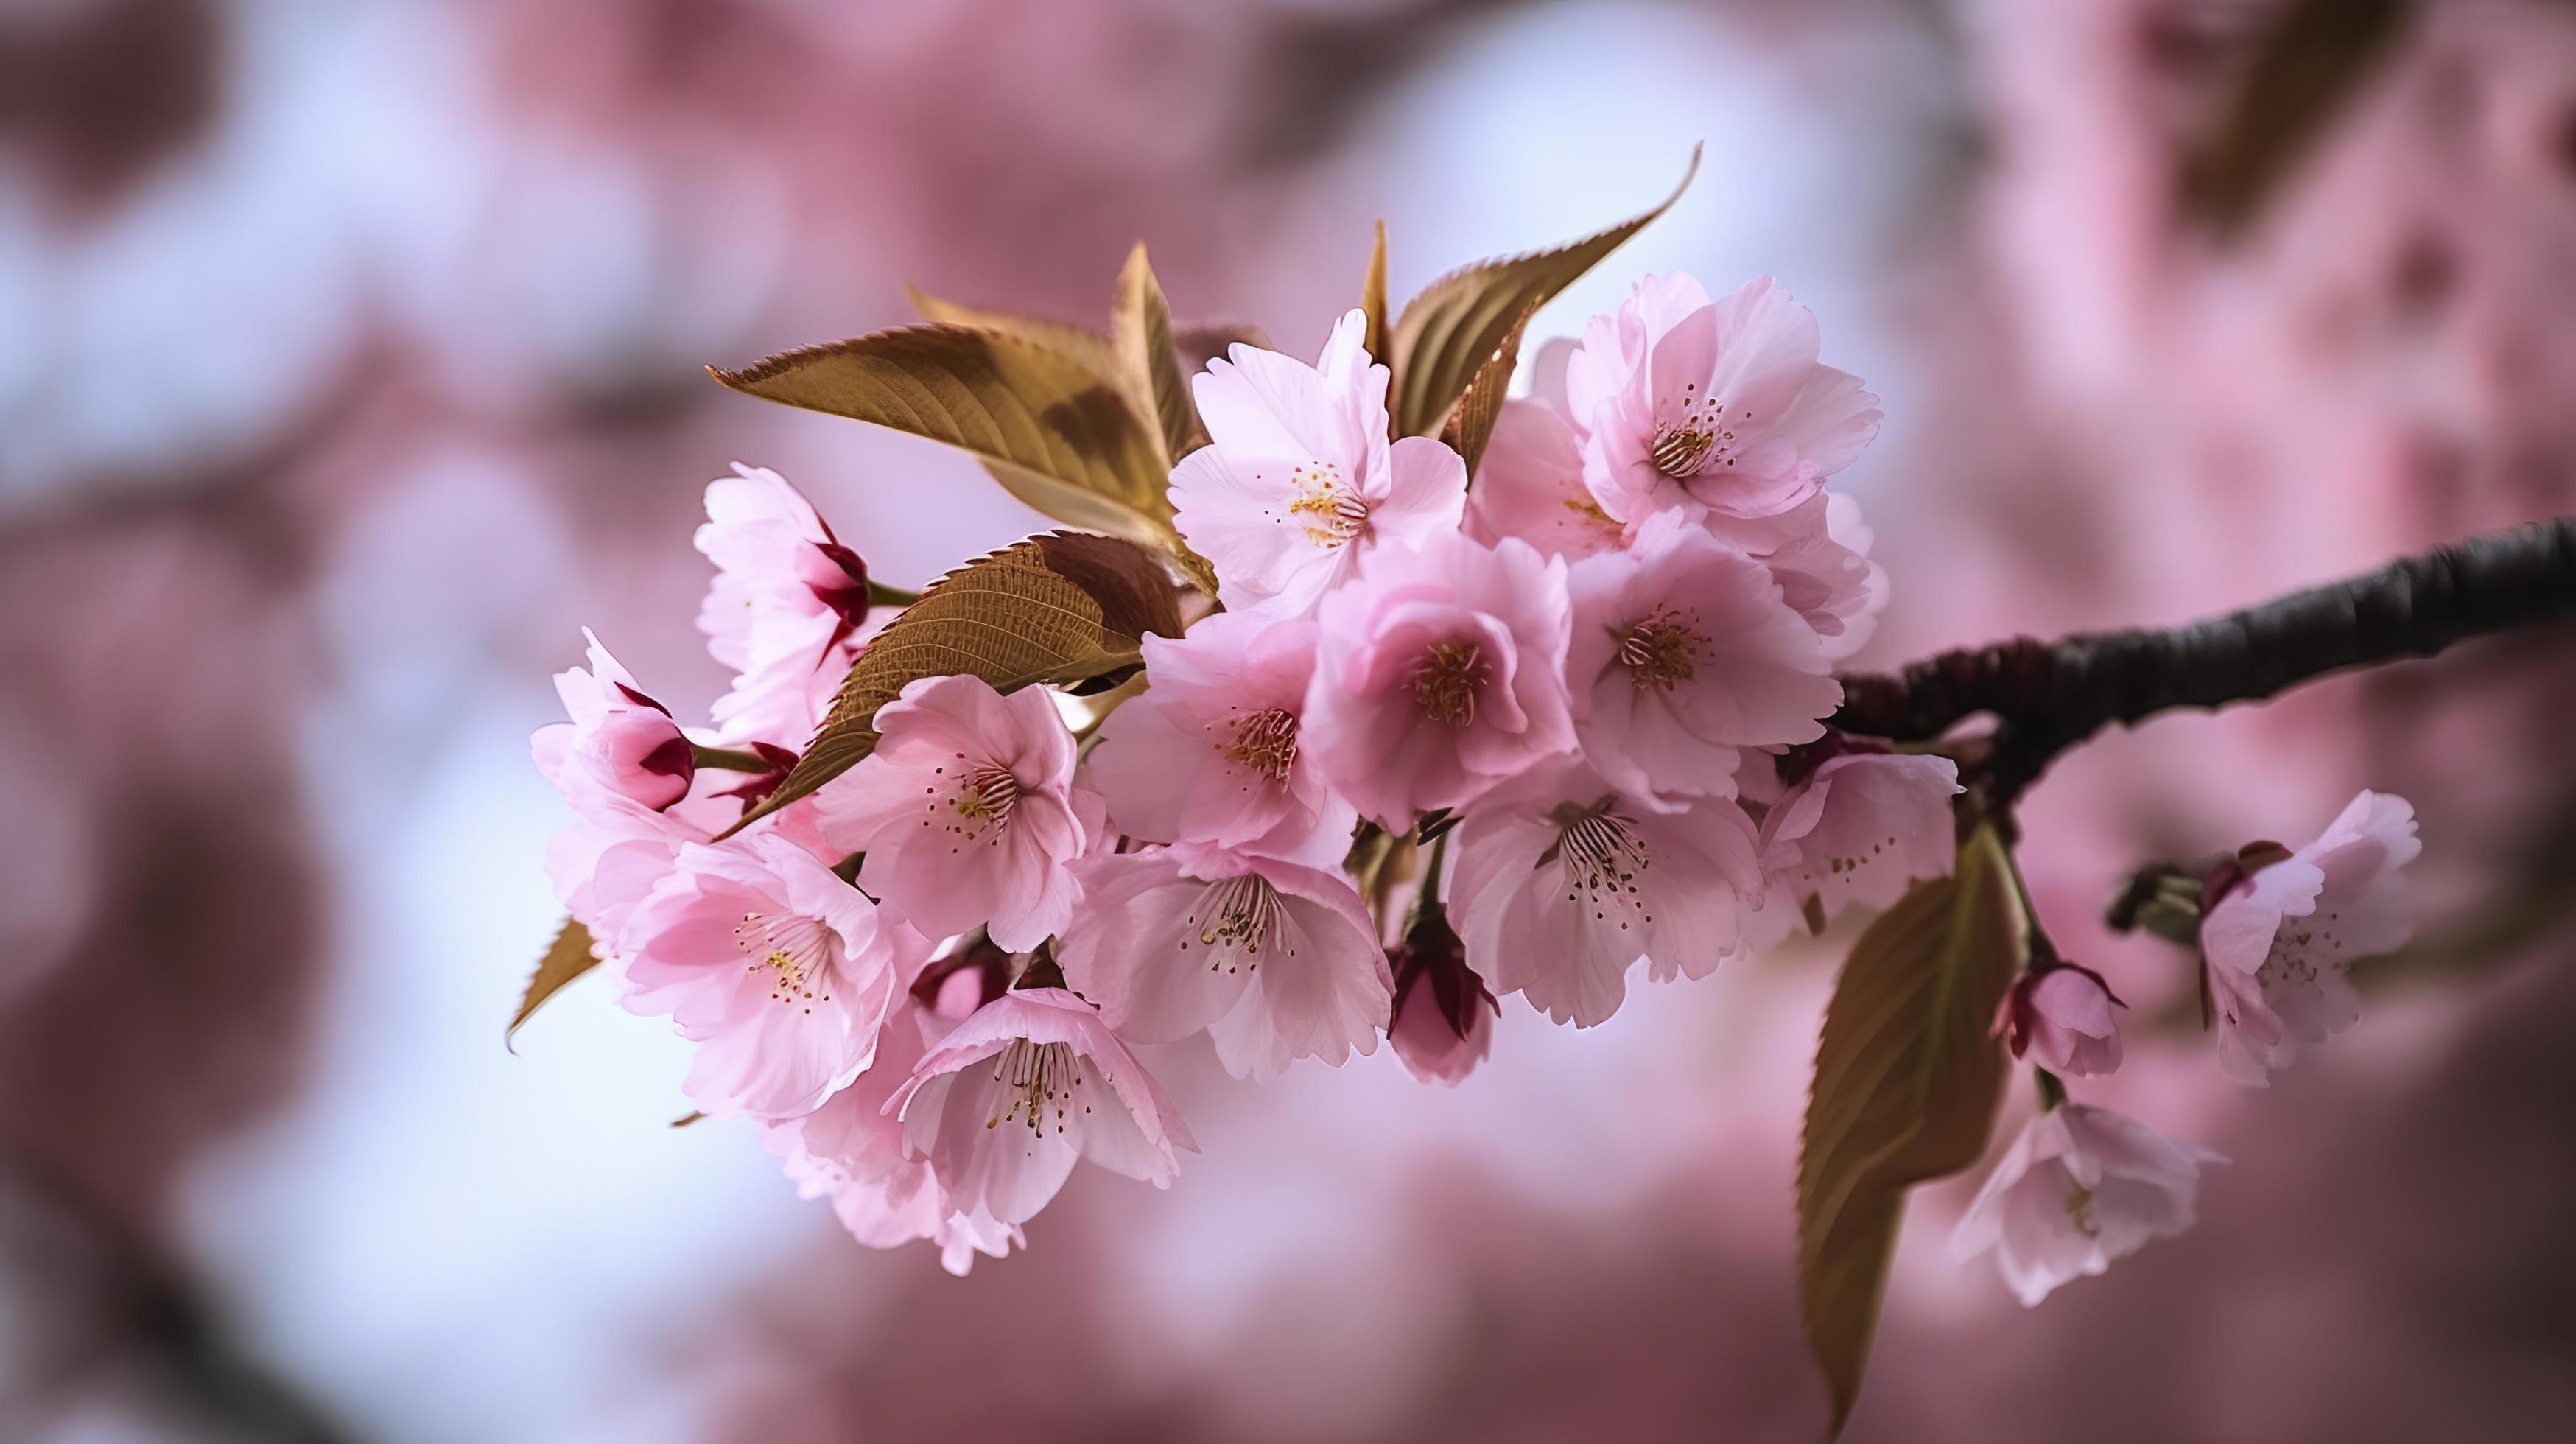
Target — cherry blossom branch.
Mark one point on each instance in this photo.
(2049, 696)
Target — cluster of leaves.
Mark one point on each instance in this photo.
(1085, 427)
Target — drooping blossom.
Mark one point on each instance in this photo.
(781, 972)
(1007, 1102)
(786, 610)
(1529, 484)
(1683, 653)
(2060, 1018)
(1214, 751)
(1561, 885)
(967, 810)
(850, 1151)
(1301, 482)
(2081, 1186)
(1275, 961)
(622, 741)
(1444, 1014)
(1440, 672)
(1680, 400)
(2278, 945)
(1861, 828)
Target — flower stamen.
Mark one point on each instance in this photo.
(1266, 742)
(1697, 440)
(1331, 513)
(1602, 855)
(983, 802)
(1241, 913)
(797, 949)
(1037, 1079)
(1447, 679)
(1663, 649)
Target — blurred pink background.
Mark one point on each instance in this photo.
(349, 363)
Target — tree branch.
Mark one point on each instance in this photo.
(2049, 696)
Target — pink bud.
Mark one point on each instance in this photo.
(642, 755)
(2060, 1016)
(838, 579)
(1444, 1018)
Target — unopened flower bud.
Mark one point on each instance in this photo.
(2059, 1016)
(1444, 1017)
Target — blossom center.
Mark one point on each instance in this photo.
(1236, 917)
(2079, 1209)
(2295, 958)
(1447, 680)
(982, 802)
(1266, 742)
(1039, 1081)
(1331, 513)
(797, 950)
(1663, 649)
(1602, 856)
(1695, 441)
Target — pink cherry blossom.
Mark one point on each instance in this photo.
(1301, 481)
(622, 741)
(2060, 1018)
(786, 611)
(781, 972)
(851, 1152)
(1683, 653)
(1561, 885)
(1444, 1014)
(1275, 961)
(1004, 1105)
(1681, 400)
(967, 810)
(1529, 484)
(626, 829)
(2080, 1187)
(1818, 552)
(1213, 751)
(2279, 944)
(1440, 672)
(1861, 828)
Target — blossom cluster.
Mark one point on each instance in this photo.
(1435, 741)
(1583, 698)
(2279, 933)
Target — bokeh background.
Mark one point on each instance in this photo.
(350, 361)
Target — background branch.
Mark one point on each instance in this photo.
(2049, 696)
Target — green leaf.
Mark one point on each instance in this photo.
(2308, 68)
(567, 957)
(1472, 424)
(1140, 326)
(1908, 1076)
(1091, 349)
(1460, 321)
(1061, 608)
(1373, 297)
(1053, 430)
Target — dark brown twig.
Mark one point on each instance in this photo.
(2049, 696)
